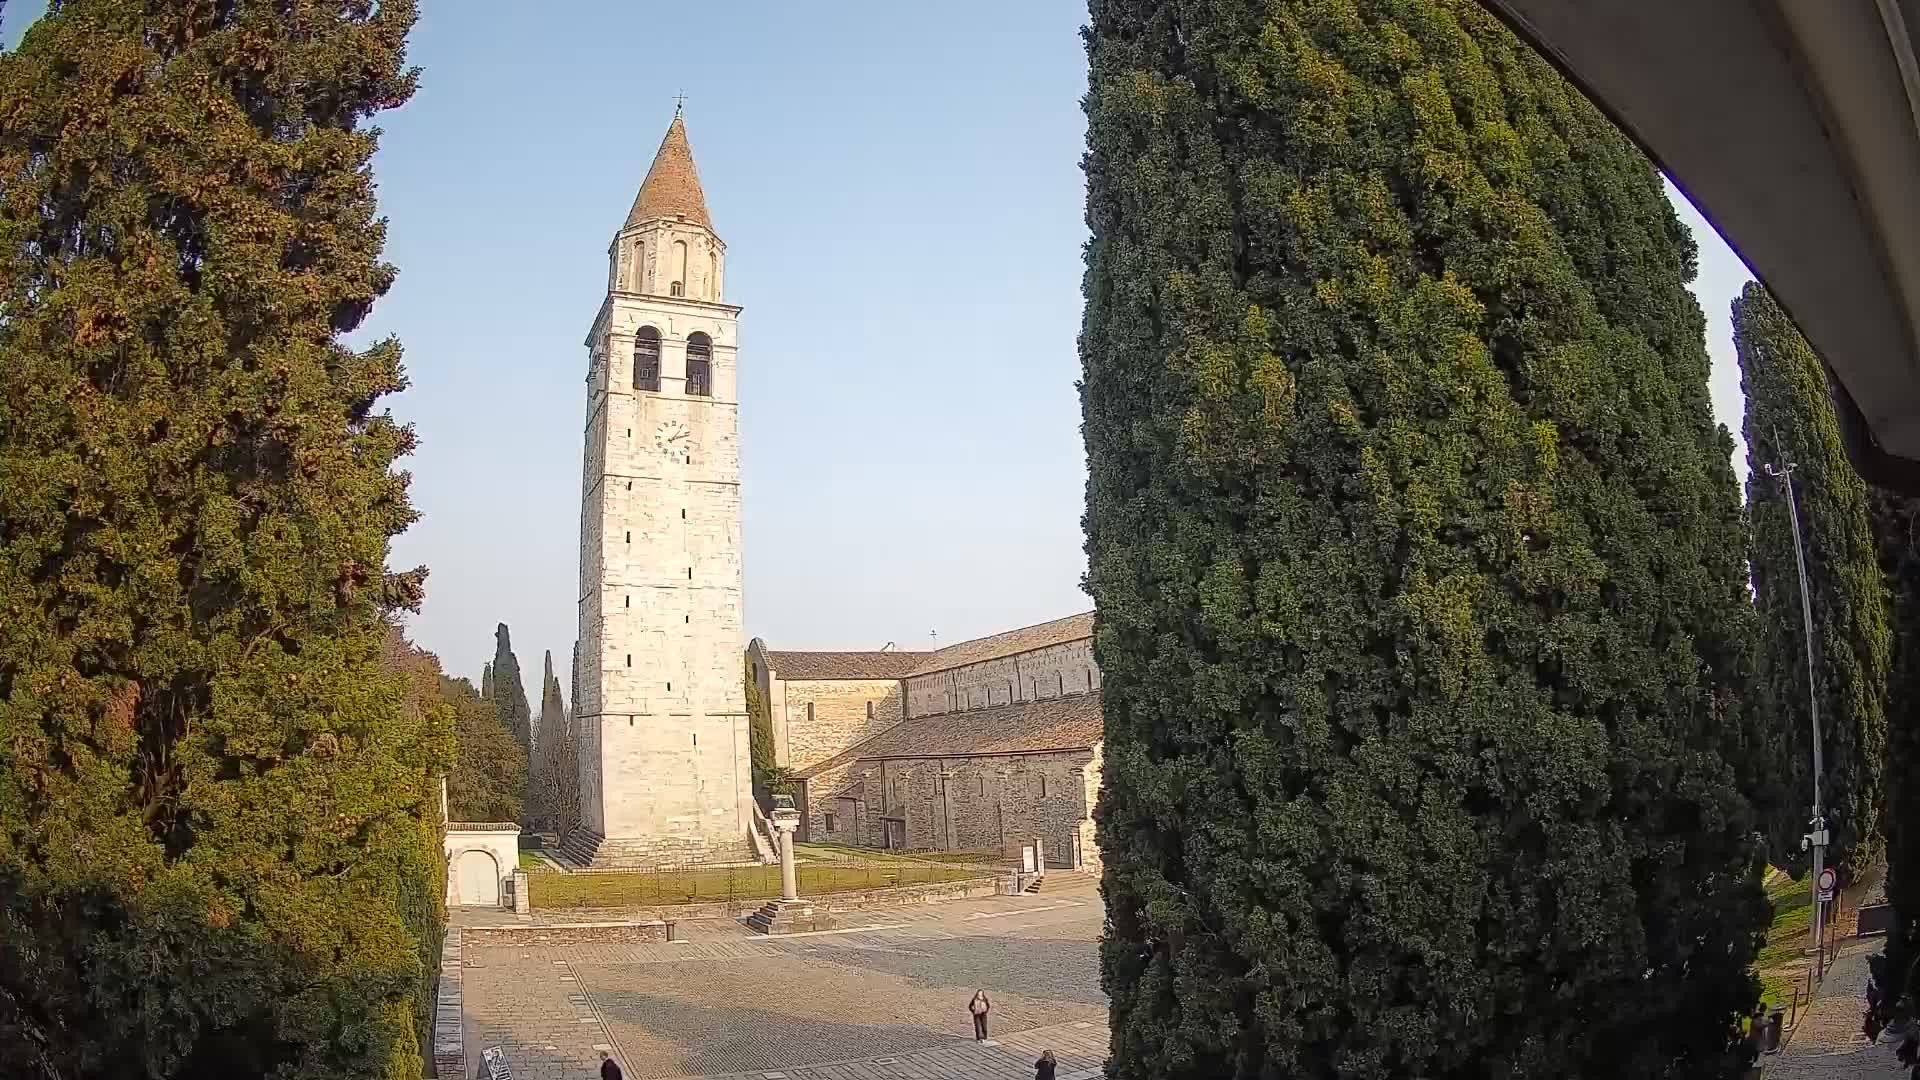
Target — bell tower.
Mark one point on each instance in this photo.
(661, 715)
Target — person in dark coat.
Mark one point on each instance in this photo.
(980, 1006)
(1043, 1069)
(610, 1069)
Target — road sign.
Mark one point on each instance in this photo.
(1826, 884)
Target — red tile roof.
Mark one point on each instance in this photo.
(1025, 639)
(672, 187)
(844, 665)
(1073, 722)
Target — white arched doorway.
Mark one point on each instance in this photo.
(478, 874)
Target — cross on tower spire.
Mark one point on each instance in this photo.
(679, 102)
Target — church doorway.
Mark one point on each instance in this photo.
(479, 879)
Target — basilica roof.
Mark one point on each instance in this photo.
(870, 664)
(1072, 722)
(1025, 639)
(672, 187)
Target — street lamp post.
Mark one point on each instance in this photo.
(1817, 839)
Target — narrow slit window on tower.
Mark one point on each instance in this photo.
(689, 573)
(1043, 785)
(646, 360)
(699, 365)
(809, 712)
(869, 710)
(669, 688)
(629, 659)
(629, 601)
(629, 536)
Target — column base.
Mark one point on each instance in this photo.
(789, 917)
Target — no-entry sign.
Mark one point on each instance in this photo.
(1826, 883)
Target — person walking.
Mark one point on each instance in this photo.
(1043, 1069)
(980, 1006)
(610, 1069)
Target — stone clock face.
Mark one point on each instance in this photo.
(671, 439)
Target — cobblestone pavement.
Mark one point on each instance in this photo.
(1827, 1043)
(876, 1001)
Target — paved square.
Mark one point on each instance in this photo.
(820, 1004)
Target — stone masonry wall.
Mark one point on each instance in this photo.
(827, 717)
(660, 604)
(986, 803)
(1067, 668)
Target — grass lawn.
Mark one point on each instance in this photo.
(729, 883)
(1782, 960)
(530, 861)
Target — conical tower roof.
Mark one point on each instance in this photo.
(672, 186)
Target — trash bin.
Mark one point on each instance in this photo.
(1773, 1027)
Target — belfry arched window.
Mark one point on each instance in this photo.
(699, 365)
(646, 359)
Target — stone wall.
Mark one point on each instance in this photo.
(499, 841)
(987, 803)
(662, 710)
(827, 717)
(1067, 668)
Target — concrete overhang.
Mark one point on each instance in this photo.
(1794, 126)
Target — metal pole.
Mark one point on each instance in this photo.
(1817, 840)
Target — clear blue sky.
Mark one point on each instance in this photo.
(900, 193)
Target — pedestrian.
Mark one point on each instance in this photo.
(980, 1006)
(610, 1069)
(1043, 1069)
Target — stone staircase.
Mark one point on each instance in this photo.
(760, 834)
(585, 849)
(789, 917)
(1057, 879)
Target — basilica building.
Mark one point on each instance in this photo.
(984, 746)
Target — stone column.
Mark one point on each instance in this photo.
(785, 821)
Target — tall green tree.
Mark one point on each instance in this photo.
(489, 778)
(759, 737)
(486, 681)
(509, 692)
(218, 801)
(554, 792)
(1417, 554)
(1896, 972)
(1790, 417)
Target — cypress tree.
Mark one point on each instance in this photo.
(759, 737)
(1418, 563)
(1789, 415)
(509, 693)
(218, 800)
(551, 765)
(1896, 992)
(486, 680)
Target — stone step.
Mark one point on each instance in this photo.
(789, 917)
